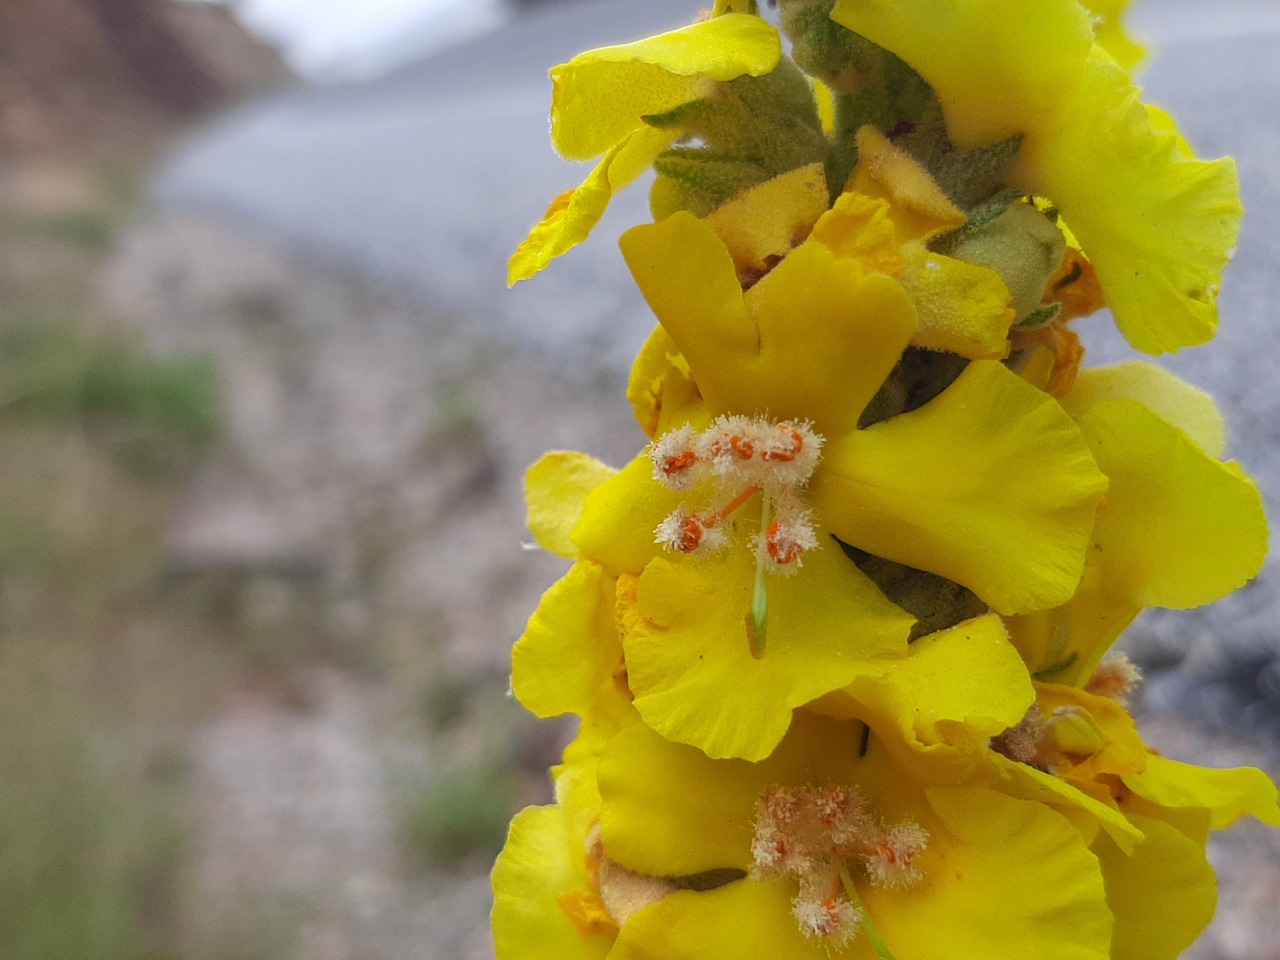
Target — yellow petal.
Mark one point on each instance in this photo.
(1175, 401)
(996, 71)
(990, 485)
(620, 515)
(862, 229)
(764, 222)
(1064, 645)
(1162, 894)
(600, 96)
(744, 919)
(959, 686)
(922, 209)
(555, 489)
(574, 214)
(660, 388)
(1002, 865)
(816, 342)
(1158, 226)
(824, 624)
(538, 866)
(962, 307)
(1180, 528)
(1226, 794)
(566, 659)
(1110, 34)
(1028, 783)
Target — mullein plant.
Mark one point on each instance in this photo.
(837, 636)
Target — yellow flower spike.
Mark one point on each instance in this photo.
(1157, 225)
(1226, 795)
(1162, 894)
(556, 489)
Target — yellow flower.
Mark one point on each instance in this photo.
(600, 99)
(1158, 224)
(988, 485)
(827, 832)
(1179, 527)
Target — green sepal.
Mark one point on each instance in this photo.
(1039, 318)
(750, 130)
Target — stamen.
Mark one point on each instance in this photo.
(1021, 743)
(723, 513)
(892, 865)
(675, 458)
(821, 910)
(1116, 678)
(814, 834)
(687, 532)
(786, 538)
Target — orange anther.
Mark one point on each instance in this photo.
(691, 533)
(679, 462)
(781, 551)
(786, 456)
(742, 449)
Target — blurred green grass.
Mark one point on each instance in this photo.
(95, 698)
(109, 661)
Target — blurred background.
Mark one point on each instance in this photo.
(265, 404)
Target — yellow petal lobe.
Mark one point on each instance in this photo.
(555, 490)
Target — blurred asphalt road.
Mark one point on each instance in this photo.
(430, 177)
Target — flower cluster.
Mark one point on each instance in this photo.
(838, 635)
